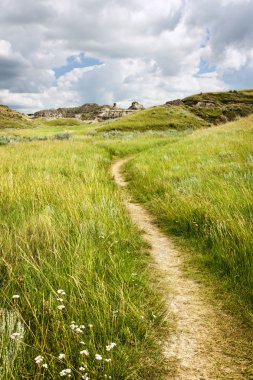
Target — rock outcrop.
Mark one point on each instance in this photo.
(218, 107)
(136, 106)
(177, 103)
(89, 112)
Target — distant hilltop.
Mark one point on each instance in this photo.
(89, 112)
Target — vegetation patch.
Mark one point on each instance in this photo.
(158, 118)
(12, 119)
(221, 107)
(61, 122)
(201, 188)
(76, 288)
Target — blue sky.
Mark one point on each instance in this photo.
(65, 53)
(73, 62)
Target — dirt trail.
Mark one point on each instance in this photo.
(202, 343)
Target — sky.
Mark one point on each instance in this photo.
(56, 53)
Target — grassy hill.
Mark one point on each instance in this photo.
(13, 119)
(221, 107)
(193, 112)
(158, 118)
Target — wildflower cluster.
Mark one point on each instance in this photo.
(39, 360)
(15, 335)
(76, 328)
(66, 372)
(15, 296)
(110, 346)
(60, 299)
(86, 355)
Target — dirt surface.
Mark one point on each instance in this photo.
(204, 344)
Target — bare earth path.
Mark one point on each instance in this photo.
(203, 341)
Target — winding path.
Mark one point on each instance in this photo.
(198, 345)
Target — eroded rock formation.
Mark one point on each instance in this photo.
(90, 111)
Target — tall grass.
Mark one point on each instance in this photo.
(201, 188)
(126, 143)
(76, 268)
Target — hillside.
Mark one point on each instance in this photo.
(221, 107)
(193, 112)
(158, 118)
(13, 119)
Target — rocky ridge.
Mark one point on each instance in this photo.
(218, 107)
(89, 112)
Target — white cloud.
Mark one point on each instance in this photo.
(5, 48)
(233, 59)
(151, 50)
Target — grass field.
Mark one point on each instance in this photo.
(201, 188)
(74, 273)
(64, 227)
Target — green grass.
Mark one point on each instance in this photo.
(228, 97)
(64, 226)
(157, 118)
(43, 128)
(127, 143)
(201, 189)
(61, 122)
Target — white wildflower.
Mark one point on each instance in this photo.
(60, 299)
(66, 372)
(108, 360)
(82, 327)
(15, 336)
(110, 346)
(61, 307)
(39, 359)
(83, 343)
(61, 292)
(82, 369)
(61, 356)
(45, 365)
(73, 326)
(84, 352)
(98, 357)
(15, 296)
(90, 326)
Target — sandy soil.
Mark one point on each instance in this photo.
(204, 341)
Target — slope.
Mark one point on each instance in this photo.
(158, 118)
(220, 107)
(13, 119)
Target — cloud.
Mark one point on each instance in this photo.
(150, 51)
